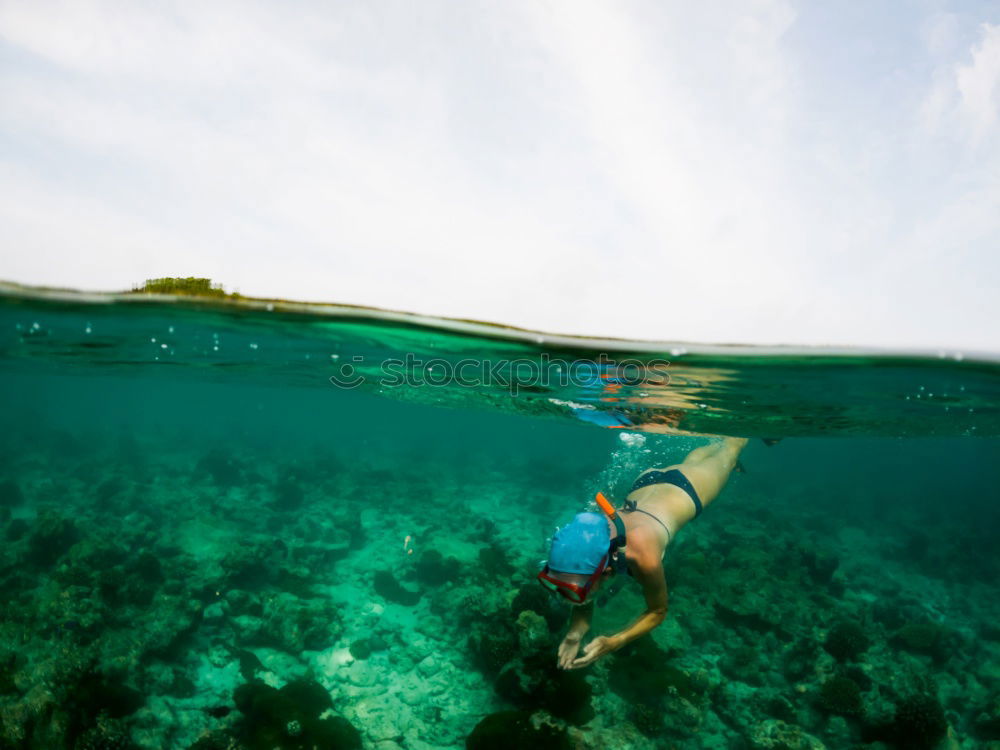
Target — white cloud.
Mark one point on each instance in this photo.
(965, 98)
(978, 85)
(643, 169)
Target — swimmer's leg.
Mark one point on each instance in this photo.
(708, 467)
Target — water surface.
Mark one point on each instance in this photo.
(208, 541)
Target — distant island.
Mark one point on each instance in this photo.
(190, 285)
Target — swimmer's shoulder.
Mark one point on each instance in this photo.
(645, 548)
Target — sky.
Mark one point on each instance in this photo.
(754, 171)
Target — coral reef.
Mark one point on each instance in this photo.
(392, 590)
(927, 638)
(509, 729)
(433, 569)
(291, 718)
(919, 722)
(232, 595)
(774, 734)
(846, 641)
(534, 681)
(841, 695)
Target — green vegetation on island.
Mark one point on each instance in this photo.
(190, 285)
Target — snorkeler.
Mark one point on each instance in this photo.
(592, 549)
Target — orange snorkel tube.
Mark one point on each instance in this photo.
(607, 507)
(609, 510)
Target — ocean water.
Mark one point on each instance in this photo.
(265, 525)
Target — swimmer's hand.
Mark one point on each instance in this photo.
(568, 650)
(597, 648)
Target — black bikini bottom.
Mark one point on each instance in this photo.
(671, 476)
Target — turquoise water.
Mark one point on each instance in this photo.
(209, 544)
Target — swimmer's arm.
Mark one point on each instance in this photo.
(654, 585)
(579, 619)
(649, 573)
(579, 624)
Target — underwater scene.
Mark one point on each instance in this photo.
(253, 524)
